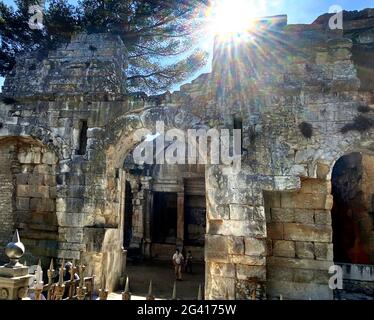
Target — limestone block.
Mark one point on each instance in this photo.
(237, 228)
(22, 203)
(298, 170)
(39, 191)
(275, 231)
(282, 183)
(220, 288)
(259, 213)
(323, 171)
(316, 186)
(321, 276)
(322, 58)
(322, 217)
(304, 216)
(279, 273)
(324, 251)
(255, 247)
(49, 158)
(75, 220)
(23, 191)
(304, 250)
(216, 248)
(303, 275)
(299, 291)
(72, 246)
(44, 169)
(240, 212)
(273, 199)
(36, 179)
(69, 204)
(282, 214)
(68, 254)
(235, 245)
(282, 248)
(221, 269)
(50, 180)
(301, 232)
(296, 263)
(42, 205)
(329, 202)
(22, 178)
(70, 234)
(248, 260)
(307, 201)
(29, 156)
(243, 272)
(27, 168)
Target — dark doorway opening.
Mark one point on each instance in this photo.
(128, 216)
(353, 188)
(195, 216)
(164, 217)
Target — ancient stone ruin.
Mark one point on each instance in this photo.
(303, 96)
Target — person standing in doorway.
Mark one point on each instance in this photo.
(189, 262)
(178, 263)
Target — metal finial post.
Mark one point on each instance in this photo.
(16, 237)
(61, 274)
(14, 251)
(103, 293)
(73, 270)
(200, 293)
(81, 275)
(227, 297)
(39, 281)
(174, 296)
(280, 297)
(60, 287)
(150, 296)
(50, 273)
(126, 295)
(81, 290)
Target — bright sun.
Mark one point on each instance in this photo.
(231, 17)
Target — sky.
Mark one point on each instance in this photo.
(298, 11)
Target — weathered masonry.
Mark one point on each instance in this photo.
(303, 96)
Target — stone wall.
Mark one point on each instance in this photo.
(7, 191)
(299, 241)
(30, 191)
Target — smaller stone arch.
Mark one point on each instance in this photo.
(353, 209)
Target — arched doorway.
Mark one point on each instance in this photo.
(167, 210)
(353, 209)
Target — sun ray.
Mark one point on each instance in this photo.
(232, 18)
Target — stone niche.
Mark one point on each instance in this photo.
(28, 197)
